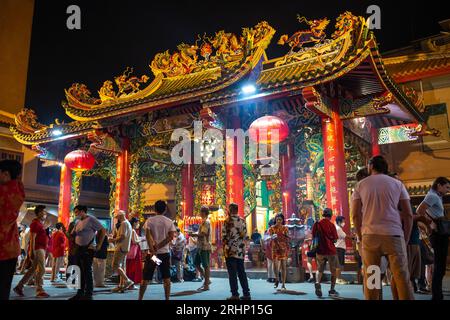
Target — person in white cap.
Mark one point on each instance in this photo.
(122, 242)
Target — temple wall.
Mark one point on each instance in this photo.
(419, 163)
(16, 18)
(158, 191)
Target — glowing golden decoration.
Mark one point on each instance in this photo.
(423, 130)
(26, 121)
(347, 22)
(379, 103)
(416, 98)
(127, 85)
(81, 93)
(224, 50)
(349, 33)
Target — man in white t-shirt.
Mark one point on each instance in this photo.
(159, 232)
(383, 229)
(122, 242)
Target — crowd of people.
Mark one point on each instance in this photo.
(406, 244)
(409, 245)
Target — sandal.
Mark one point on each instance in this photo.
(203, 288)
(19, 291)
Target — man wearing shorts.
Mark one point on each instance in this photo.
(326, 250)
(202, 259)
(122, 242)
(159, 232)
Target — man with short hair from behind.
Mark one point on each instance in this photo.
(383, 229)
(159, 232)
(12, 195)
(234, 232)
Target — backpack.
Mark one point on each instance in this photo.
(315, 243)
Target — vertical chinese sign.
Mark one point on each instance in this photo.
(329, 143)
(334, 167)
(233, 166)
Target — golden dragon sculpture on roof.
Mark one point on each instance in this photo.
(223, 51)
(350, 31)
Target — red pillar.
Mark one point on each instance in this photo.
(65, 187)
(234, 174)
(335, 171)
(375, 145)
(187, 191)
(123, 177)
(288, 183)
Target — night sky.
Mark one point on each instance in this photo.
(115, 35)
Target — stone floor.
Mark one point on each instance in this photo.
(260, 290)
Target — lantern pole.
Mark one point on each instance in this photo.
(75, 190)
(187, 189)
(65, 187)
(123, 177)
(234, 172)
(288, 182)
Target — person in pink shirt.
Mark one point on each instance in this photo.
(383, 229)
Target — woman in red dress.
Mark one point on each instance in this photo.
(134, 257)
(58, 248)
(280, 249)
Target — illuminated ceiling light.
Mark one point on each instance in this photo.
(56, 132)
(248, 89)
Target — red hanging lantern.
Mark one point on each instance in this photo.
(79, 160)
(263, 130)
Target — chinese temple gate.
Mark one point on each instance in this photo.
(332, 91)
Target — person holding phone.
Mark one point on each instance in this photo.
(159, 232)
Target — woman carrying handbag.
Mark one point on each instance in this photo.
(134, 257)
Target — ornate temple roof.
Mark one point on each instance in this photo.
(190, 72)
(206, 72)
(418, 66)
(6, 118)
(423, 58)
